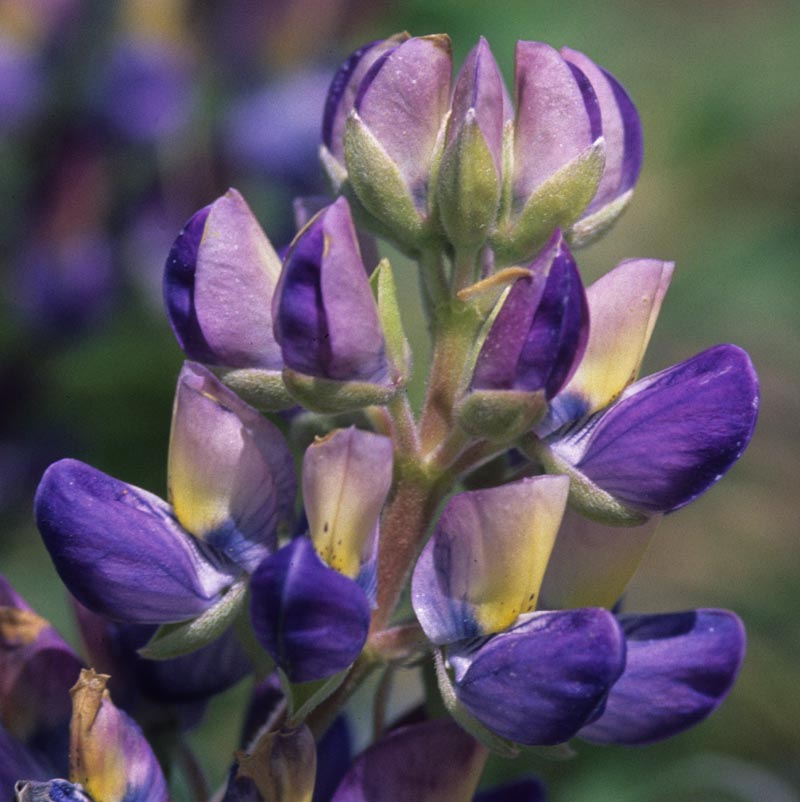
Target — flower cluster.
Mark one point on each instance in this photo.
(511, 510)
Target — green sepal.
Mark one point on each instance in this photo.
(185, 637)
(468, 187)
(500, 415)
(495, 743)
(398, 350)
(556, 203)
(588, 229)
(303, 697)
(379, 185)
(586, 497)
(262, 389)
(331, 396)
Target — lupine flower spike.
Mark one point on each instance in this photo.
(488, 533)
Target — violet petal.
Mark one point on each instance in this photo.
(680, 667)
(120, 551)
(542, 680)
(672, 435)
(312, 620)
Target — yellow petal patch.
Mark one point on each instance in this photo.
(623, 308)
(346, 478)
(206, 441)
(503, 562)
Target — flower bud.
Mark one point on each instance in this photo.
(622, 132)
(219, 281)
(393, 136)
(558, 151)
(535, 342)
(326, 319)
(470, 175)
(342, 97)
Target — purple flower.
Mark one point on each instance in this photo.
(310, 601)
(434, 761)
(326, 318)
(37, 670)
(538, 336)
(679, 668)
(531, 677)
(636, 450)
(128, 555)
(311, 619)
(218, 286)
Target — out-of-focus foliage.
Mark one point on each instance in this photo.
(92, 196)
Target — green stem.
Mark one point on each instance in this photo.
(400, 643)
(456, 328)
(322, 717)
(464, 269)
(433, 280)
(406, 439)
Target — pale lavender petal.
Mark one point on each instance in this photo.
(435, 761)
(312, 620)
(219, 281)
(403, 100)
(672, 435)
(623, 308)
(344, 87)
(479, 86)
(231, 475)
(680, 667)
(553, 125)
(542, 680)
(121, 552)
(592, 563)
(347, 476)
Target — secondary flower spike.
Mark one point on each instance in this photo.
(128, 555)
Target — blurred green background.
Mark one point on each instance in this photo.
(716, 84)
